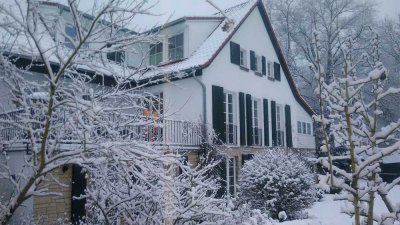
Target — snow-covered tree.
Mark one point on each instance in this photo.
(353, 121)
(72, 105)
(277, 181)
(294, 21)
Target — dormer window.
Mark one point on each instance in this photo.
(117, 57)
(70, 31)
(156, 53)
(175, 47)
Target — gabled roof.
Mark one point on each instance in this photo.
(212, 46)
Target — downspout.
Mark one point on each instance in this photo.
(203, 86)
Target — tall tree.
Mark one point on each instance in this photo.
(81, 108)
(295, 20)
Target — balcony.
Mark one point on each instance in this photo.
(155, 131)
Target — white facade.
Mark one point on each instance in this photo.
(183, 98)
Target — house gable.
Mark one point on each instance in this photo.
(271, 39)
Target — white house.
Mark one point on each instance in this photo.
(238, 82)
(231, 77)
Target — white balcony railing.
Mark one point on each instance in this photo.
(161, 132)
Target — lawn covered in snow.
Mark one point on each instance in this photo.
(327, 211)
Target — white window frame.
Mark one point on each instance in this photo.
(299, 130)
(243, 58)
(233, 123)
(257, 62)
(183, 47)
(157, 54)
(256, 122)
(231, 162)
(270, 69)
(67, 42)
(280, 126)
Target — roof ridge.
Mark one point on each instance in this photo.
(240, 5)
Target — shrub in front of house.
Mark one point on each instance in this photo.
(277, 181)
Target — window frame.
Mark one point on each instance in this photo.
(256, 121)
(115, 57)
(67, 41)
(280, 125)
(243, 57)
(153, 56)
(174, 49)
(233, 113)
(270, 70)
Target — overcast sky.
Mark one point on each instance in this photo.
(174, 9)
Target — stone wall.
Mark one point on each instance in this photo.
(55, 209)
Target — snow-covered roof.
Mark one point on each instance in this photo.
(210, 47)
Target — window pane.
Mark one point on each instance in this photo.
(304, 128)
(175, 47)
(299, 127)
(179, 53)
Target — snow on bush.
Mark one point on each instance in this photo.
(244, 215)
(277, 181)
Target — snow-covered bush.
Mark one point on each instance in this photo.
(276, 181)
(244, 215)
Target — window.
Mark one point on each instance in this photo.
(256, 120)
(243, 58)
(153, 105)
(156, 53)
(257, 63)
(230, 120)
(299, 127)
(270, 71)
(118, 57)
(280, 132)
(231, 177)
(175, 47)
(70, 31)
(303, 128)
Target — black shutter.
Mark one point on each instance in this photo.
(235, 53)
(288, 119)
(273, 124)
(78, 187)
(242, 119)
(264, 65)
(252, 60)
(277, 71)
(218, 112)
(266, 121)
(249, 115)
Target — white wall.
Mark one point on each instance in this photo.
(182, 99)
(198, 32)
(252, 35)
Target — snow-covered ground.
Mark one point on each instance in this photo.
(327, 212)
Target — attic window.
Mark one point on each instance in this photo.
(118, 56)
(175, 47)
(156, 53)
(70, 31)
